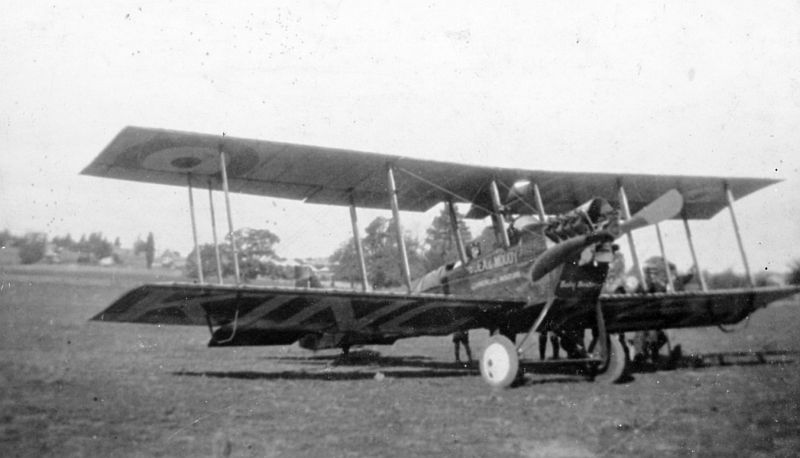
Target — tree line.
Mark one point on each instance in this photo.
(257, 255)
(33, 246)
(380, 245)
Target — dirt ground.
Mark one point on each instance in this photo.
(69, 387)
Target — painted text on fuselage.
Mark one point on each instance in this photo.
(493, 262)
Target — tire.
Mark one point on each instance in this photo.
(499, 362)
(614, 368)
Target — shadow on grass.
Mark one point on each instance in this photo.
(720, 359)
(358, 365)
(566, 371)
(364, 365)
(330, 376)
(372, 358)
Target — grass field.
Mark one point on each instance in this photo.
(69, 387)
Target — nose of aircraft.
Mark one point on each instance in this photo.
(601, 224)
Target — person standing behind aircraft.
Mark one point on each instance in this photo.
(647, 344)
(543, 344)
(474, 250)
(615, 279)
(461, 337)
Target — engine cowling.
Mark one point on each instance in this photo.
(585, 219)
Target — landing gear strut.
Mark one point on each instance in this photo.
(613, 365)
(607, 361)
(613, 354)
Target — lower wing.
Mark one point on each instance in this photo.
(253, 315)
(637, 312)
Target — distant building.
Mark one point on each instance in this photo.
(172, 259)
(321, 267)
(51, 254)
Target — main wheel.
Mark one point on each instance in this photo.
(499, 362)
(615, 362)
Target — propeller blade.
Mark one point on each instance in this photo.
(558, 254)
(663, 208)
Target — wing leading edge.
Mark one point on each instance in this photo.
(289, 313)
(341, 177)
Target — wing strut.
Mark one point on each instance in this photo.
(626, 211)
(214, 232)
(536, 324)
(398, 227)
(357, 240)
(462, 253)
(729, 195)
(497, 215)
(194, 230)
(699, 272)
(539, 203)
(670, 285)
(223, 167)
(542, 216)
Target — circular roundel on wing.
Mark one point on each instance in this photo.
(188, 155)
(182, 159)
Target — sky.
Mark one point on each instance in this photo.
(695, 88)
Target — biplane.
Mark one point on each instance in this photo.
(542, 272)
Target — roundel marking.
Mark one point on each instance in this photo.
(183, 159)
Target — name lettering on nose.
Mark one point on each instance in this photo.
(493, 262)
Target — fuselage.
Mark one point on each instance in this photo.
(497, 272)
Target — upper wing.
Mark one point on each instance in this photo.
(335, 176)
(289, 313)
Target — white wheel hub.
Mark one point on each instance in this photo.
(499, 362)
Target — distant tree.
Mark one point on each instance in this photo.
(32, 247)
(255, 248)
(440, 243)
(381, 256)
(208, 258)
(345, 263)
(6, 238)
(117, 243)
(64, 242)
(488, 237)
(139, 246)
(150, 250)
(99, 245)
(762, 279)
(256, 252)
(95, 246)
(793, 278)
(725, 280)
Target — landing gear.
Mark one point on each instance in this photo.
(613, 365)
(613, 354)
(500, 362)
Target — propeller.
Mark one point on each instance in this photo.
(663, 208)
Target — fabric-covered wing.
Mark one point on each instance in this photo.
(289, 313)
(638, 312)
(703, 197)
(334, 176)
